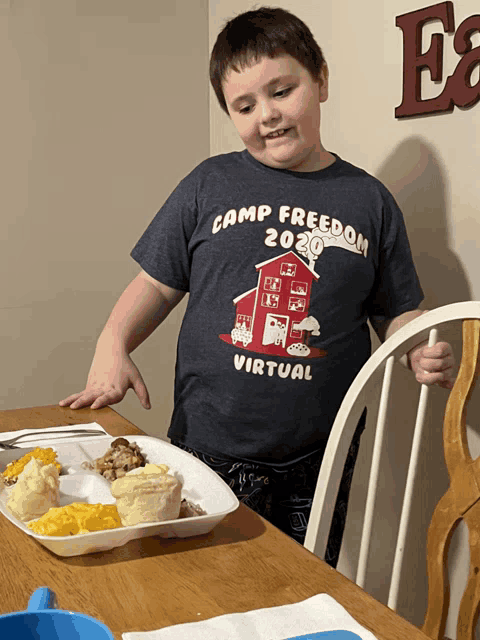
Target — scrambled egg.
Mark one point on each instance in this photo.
(15, 468)
(76, 518)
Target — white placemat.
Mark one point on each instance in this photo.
(50, 435)
(319, 613)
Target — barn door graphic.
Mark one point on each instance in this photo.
(275, 329)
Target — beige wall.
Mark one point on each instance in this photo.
(431, 166)
(104, 109)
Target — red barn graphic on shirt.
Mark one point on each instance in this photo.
(273, 317)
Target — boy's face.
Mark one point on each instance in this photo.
(275, 107)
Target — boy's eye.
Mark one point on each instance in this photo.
(245, 109)
(283, 92)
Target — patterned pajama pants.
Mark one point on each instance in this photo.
(284, 495)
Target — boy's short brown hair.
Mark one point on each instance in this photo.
(267, 31)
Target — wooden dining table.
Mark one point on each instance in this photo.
(244, 563)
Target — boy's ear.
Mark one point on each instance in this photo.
(323, 83)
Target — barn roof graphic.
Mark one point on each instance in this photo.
(244, 295)
(283, 256)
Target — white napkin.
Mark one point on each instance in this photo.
(319, 613)
(53, 435)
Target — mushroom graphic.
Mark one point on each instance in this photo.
(310, 324)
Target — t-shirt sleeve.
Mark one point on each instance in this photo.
(397, 288)
(163, 249)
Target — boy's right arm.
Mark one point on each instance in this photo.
(141, 308)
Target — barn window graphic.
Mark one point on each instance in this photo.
(273, 317)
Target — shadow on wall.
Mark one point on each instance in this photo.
(415, 175)
(417, 178)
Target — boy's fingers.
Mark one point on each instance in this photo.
(112, 396)
(142, 393)
(69, 400)
(435, 365)
(438, 350)
(84, 400)
(87, 398)
(429, 378)
(441, 378)
(102, 401)
(77, 400)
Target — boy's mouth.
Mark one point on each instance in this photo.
(279, 133)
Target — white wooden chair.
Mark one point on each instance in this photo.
(462, 499)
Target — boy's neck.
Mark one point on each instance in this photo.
(325, 159)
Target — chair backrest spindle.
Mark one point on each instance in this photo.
(409, 486)
(374, 472)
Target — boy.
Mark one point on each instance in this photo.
(286, 251)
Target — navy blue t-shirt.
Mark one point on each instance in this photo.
(283, 270)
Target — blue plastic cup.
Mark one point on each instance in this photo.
(42, 621)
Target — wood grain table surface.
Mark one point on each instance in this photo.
(244, 563)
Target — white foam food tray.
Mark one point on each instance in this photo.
(201, 486)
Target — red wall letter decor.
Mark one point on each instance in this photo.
(458, 89)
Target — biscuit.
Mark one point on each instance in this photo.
(153, 497)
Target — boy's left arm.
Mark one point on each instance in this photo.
(431, 365)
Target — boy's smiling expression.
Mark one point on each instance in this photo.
(275, 107)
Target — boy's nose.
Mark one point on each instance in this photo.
(269, 112)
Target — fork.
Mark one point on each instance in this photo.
(71, 433)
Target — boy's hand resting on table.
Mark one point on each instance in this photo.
(108, 381)
(433, 365)
(141, 308)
